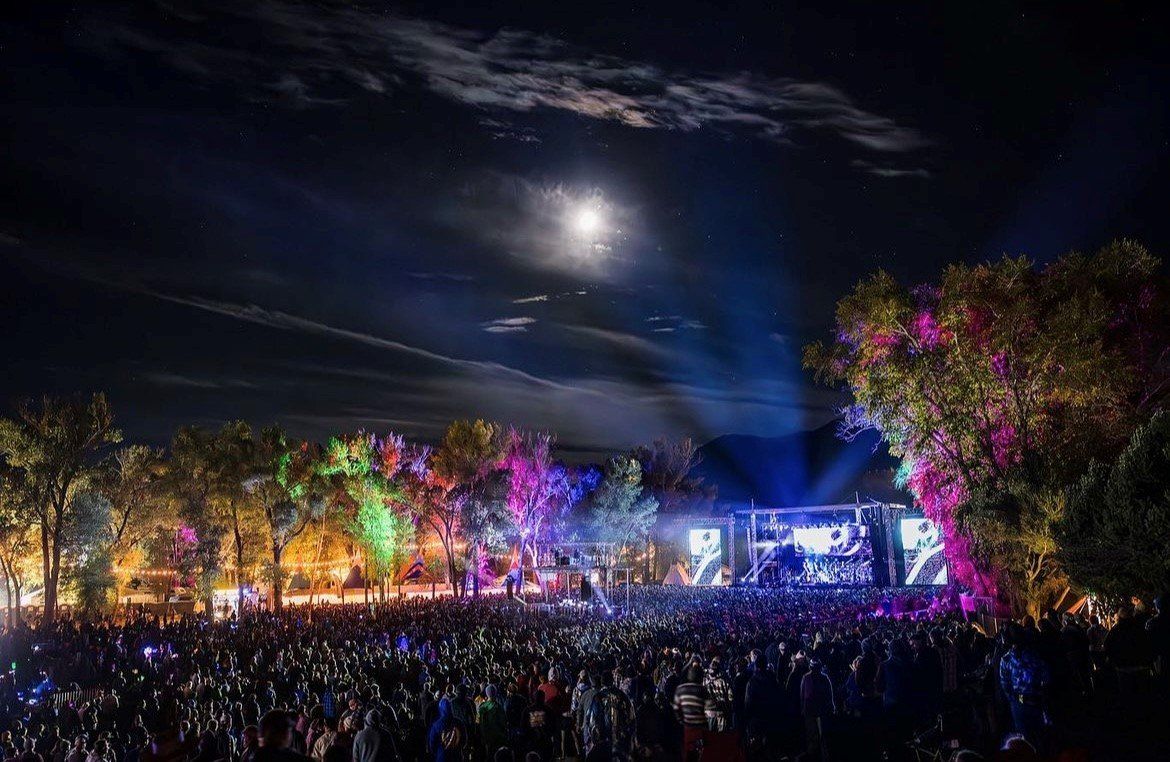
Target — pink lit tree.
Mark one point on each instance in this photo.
(538, 488)
(996, 387)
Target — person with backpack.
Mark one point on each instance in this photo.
(609, 723)
(447, 736)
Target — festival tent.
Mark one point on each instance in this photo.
(415, 571)
(354, 579)
(678, 575)
(298, 581)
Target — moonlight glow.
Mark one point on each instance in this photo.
(587, 221)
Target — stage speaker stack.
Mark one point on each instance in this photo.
(586, 589)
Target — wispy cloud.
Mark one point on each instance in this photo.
(312, 54)
(508, 325)
(251, 313)
(887, 170)
(621, 341)
(166, 378)
(547, 297)
(453, 277)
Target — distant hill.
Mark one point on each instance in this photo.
(806, 468)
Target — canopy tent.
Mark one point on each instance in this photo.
(678, 575)
(354, 579)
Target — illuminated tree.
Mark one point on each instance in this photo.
(195, 484)
(1113, 532)
(17, 529)
(996, 387)
(53, 446)
(538, 488)
(281, 481)
(364, 469)
(234, 465)
(464, 498)
(621, 510)
(133, 481)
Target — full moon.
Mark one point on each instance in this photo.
(587, 221)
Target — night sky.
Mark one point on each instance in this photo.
(612, 221)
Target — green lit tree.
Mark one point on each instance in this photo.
(365, 469)
(282, 482)
(621, 510)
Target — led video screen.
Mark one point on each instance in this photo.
(831, 540)
(831, 554)
(923, 554)
(706, 550)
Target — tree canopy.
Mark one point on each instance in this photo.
(996, 387)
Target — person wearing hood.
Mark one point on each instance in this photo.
(374, 743)
(447, 736)
(493, 722)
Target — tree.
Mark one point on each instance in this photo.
(1113, 532)
(133, 481)
(463, 466)
(667, 468)
(17, 525)
(281, 482)
(621, 509)
(90, 540)
(233, 466)
(434, 500)
(996, 387)
(54, 444)
(538, 488)
(195, 482)
(365, 470)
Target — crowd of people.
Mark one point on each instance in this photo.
(687, 673)
(832, 570)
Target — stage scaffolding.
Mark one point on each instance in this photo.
(585, 561)
(760, 521)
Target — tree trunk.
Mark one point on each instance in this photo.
(520, 570)
(239, 577)
(475, 570)
(50, 603)
(8, 593)
(51, 585)
(277, 578)
(450, 551)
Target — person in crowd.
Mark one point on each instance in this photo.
(1025, 679)
(1127, 647)
(418, 680)
(690, 707)
(816, 707)
(275, 736)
